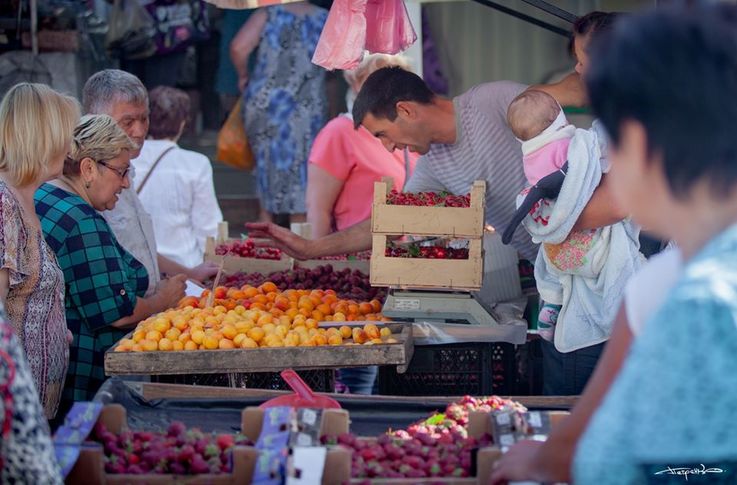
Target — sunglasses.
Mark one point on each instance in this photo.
(122, 172)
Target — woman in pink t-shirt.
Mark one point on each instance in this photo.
(345, 162)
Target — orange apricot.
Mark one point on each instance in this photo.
(268, 287)
(365, 308)
(226, 343)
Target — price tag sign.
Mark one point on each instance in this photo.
(509, 426)
(306, 465)
(406, 304)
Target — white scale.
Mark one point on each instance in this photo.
(449, 308)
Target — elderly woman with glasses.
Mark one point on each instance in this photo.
(105, 285)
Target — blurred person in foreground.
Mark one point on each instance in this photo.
(26, 450)
(648, 82)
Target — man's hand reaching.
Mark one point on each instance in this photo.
(279, 237)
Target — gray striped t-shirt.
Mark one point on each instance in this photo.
(485, 149)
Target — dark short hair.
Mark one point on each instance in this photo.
(168, 107)
(594, 23)
(674, 70)
(384, 88)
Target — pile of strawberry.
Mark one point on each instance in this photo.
(247, 249)
(418, 455)
(432, 199)
(436, 447)
(177, 451)
(427, 252)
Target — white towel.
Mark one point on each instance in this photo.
(587, 273)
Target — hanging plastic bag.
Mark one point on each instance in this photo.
(341, 43)
(388, 28)
(131, 31)
(233, 148)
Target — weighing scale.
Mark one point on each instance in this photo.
(458, 312)
(436, 306)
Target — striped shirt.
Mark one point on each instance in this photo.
(485, 149)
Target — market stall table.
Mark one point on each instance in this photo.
(152, 406)
(263, 359)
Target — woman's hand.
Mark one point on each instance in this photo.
(204, 271)
(171, 290)
(517, 464)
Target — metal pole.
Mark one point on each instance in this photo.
(34, 27)
(552, 10)
(525, 17)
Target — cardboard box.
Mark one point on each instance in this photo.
(90, 467)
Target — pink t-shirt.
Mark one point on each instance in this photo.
(358, 159)
(546, 160)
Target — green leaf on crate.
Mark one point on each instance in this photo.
(414, 251)
(435, 420)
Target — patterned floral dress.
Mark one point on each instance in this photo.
(35, 301)
(26, 450)
(285, 107)
(103, 282)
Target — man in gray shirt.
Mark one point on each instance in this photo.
(460, 140)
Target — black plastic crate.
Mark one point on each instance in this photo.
(320, 380)
(454, 370)
(530, 367)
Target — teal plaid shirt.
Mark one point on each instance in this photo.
(102, 284)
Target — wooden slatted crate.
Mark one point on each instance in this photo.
(388, 221)
(461, 222)
(459, 274)
(234, 264)
(264, 359)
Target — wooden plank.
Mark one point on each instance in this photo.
(257, 360)
(418, 273)
(153, 390)
(429, 221)
(409, 351)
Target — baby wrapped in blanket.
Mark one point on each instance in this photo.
(580, 275)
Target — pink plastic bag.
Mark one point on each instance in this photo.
(343, 37)
(379, 26)
(388, 28)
